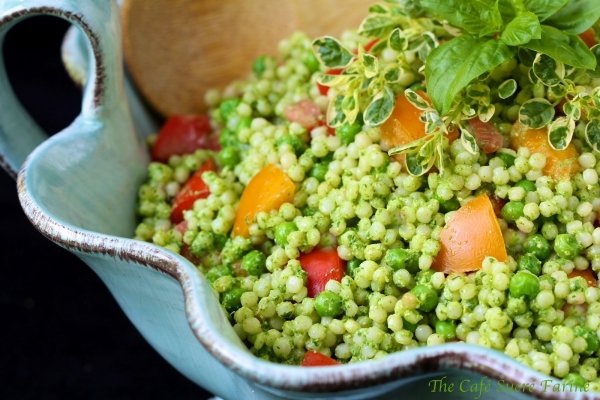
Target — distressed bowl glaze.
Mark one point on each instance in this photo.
(79, 190)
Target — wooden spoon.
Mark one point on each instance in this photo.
(176, 50)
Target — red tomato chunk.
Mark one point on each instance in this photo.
(315, 359)
(184, 134)
(321, 266)
(194, 189)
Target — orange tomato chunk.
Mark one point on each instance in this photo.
(266, 191)
(586, 274)
(470, 236)
(560, 164)
(404, 125)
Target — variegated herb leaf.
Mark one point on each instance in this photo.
(548, 70)
(335, 113)
(392, 73)
(468, 141)
(560, 133)
(378, 25)
(334, 80)
(417, 165)
(370, 64)
(416, 99)
(380, 108)
(408, 146)
(592, 134)
(331, 53)
(397, 41)
(507, 88)
(536, 113)
(572, 110)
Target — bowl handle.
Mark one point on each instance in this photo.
(99, 20)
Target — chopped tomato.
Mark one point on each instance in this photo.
(497, 204)
(315, 359)
(586, 274)
(183, 134)
(405, 125)
(560, 164)
(321, 266)
(194, 189)
(589, 37)
(488, 137)
(330, 130)
(305, 112)
(325, 89)
(470, 236)
(266, 191)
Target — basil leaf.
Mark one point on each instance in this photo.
(507, 89)
(536, 113)
(453, 65)
(564, 47)
(560, 133)
(478, 17)
(592, 134)
(331, 53)
(544, 8)
(522, 29)
(380, 108)
(576, 17)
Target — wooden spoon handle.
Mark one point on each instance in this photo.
(176, 50)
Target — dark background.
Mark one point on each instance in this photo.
(62, 335)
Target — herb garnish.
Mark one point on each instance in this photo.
(455, 45)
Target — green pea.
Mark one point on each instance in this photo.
(590, 336)
(567, 246)
(527, 185)
(418, 86)
(244, 122)
(259, 65)
(574, 379)
(232, 299)
(409, 326)
(328, 304)
(228, 138)
(538, 246)
(529, 262)
(347, 132)
(254, 262)
(506, 157)
(402, 259)
(228, 108)
(311, 62)
(427, 296)
(203, 242)
(294, 141)
(512, 211)
(352, 266)
(282, 231)
(445, 329)
(228, 157)
(219, 240)
(448, 205)
(309, 211)
(216, 272)
(319, 170)
(524, 283)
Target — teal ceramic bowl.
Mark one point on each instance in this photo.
(79, 190)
